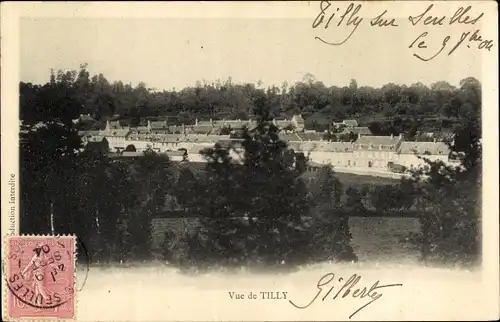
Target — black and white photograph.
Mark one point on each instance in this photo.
(271, 161)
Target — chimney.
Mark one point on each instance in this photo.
(400, 135)
(434, 140)
(149, 124)
(107, 125)
(359, 135)
(392, 136)
(211, 121)
(196, 122)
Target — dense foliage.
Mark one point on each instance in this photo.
(390, 109)
(257, 211)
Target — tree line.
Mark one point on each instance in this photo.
(391, 108)
(260, 211)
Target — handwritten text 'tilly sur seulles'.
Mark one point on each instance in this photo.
(331, 16)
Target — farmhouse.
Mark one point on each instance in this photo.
(375, 151)
(413, 154)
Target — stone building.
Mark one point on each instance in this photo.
(412, 154)
(375, 151)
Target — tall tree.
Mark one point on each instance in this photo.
(449, 199)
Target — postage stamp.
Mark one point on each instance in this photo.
(40, 277)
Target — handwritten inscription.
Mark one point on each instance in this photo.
(351, 17)
(348, 289)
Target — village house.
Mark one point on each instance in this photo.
(141, 142)
(358, 130)
(376, 151)
(112, 126)
(350, 123)
(177, 156)
(90, 136)
(337, 154)
(281, 124)
(310, 136)
(116, 135)
(194, 153)
(84, 119)
(298, 122)
(158, 127)
(345, 124)
(200, 129)
(177, 129)
(412, 154)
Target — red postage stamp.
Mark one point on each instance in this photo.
(41, 277)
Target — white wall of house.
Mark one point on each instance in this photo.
(373, 158)
(339, 159)
(140, 145)
(409, 160)
(176, 158)
(116, 143)
(196, 157)
(360, 158)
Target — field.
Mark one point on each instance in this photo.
(154, 292)
(381, 239)
(350, 179)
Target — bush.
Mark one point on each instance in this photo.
(451, 223)
(329, 225)
(168, 245)
(448, 201)
(331, 237)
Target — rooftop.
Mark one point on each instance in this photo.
(158, 125)
(362, 130)
(378, 140)
(288, 137)
(310, 136)
(119, 132)
(201, 129)
(352, 123)
(432, 148)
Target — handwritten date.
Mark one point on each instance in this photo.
(469, 39)
(460, 17)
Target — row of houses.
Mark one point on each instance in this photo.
(370, 152)
(295, 124)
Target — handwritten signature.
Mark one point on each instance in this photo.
(347, 289)
(350, 17)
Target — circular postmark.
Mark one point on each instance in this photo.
(41, 271)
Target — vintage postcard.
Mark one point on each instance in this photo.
(250, 161)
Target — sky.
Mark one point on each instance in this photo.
(175, 51)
